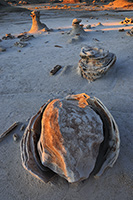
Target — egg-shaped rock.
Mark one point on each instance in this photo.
(71, 137)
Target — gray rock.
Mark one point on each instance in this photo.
(66, 137)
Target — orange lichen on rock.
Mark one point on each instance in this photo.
(82, 98)
(51, 141)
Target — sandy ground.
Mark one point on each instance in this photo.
(25, 85)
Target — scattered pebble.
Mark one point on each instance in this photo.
(99, 24)
(88, 26)
(20, 44)
(26, 38)
(21, 34)
(8, 36)
(95, 39)
(27, 119)
(22, 127)
(130, 33)
(2, 49)
(58, 46)
(55, 69)
(15, 137)
(127, 21)
(121, 30)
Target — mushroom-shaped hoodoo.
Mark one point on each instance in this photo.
(73, 137)
(95, 62)
(77, 28)
(36, 24)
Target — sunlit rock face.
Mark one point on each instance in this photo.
(71, 1)
(95, 62)
(73, 137)
(120, 3)
(36, 24)
(70, 139)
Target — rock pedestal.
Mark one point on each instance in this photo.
(36, 24)
(77, 28)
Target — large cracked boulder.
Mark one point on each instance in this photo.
(71, 137)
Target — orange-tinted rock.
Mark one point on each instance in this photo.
(36, 24)
(70, 138)
(71, 1)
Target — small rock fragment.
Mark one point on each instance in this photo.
(15, 137)
(58, 46)
(88, 26)
(4, 134)
(20, 44)
(121, 30)
(2, 49)
(127, 21)
(26, 38)
(95, 39)
(22, 127)
(130, 33)
(22, 34)
(8, 36)
(99, 24)
(55, 69)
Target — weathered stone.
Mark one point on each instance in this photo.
(77, 28)
(36, 24)
(72, 137)
(15, 137)
(26, 38)
(88, 26)
(130, 33)
(55, 69)
(2, 49)
(20, 44)
(95, 62)
(8, 36)
(71, 1)
(127, 21)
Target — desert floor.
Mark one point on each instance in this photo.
(25, 85)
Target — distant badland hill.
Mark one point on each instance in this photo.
(4, 2)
